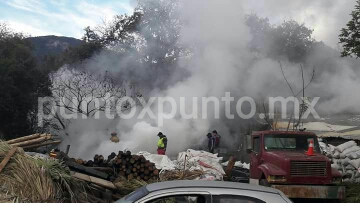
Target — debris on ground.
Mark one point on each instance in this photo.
(38, 180)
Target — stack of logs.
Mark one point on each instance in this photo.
(126, 165)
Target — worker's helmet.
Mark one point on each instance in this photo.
(160, 134)
(214, 131)
(113, 134)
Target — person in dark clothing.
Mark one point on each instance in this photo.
(162, 143)
(211, 142)
(217, 138)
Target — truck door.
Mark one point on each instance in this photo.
(255, 157)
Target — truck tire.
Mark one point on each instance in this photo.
(264, 182)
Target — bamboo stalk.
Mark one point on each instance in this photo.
(41, 144)
(33, 141)
(25, 138)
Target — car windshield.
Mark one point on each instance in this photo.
(290, 142)
(134, 196)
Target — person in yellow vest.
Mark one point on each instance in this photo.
(162, 144)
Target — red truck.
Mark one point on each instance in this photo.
(278, 159)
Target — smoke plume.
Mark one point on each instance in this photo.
(220, 62)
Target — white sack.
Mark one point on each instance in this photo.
(355, 163)
(350, 167)
(331, 148)
(336, 166)
(353, 155)
(345, 161)
(336, 154)
(348, 150)
(345, 145)
(160, 161)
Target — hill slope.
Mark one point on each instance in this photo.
(52, 45)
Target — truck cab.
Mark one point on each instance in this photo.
(279, 159)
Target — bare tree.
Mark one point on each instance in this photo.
(262, 110)
(303, 106)
(79, 92)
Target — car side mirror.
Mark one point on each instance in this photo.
(249, 151)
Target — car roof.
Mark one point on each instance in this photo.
(207, 184)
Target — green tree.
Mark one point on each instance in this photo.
(350, 36)
(290, 39)
(146, 40)
(21, 85)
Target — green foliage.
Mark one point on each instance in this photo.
(21, 85)
(350, 36)
(289, 39)
(352, 193)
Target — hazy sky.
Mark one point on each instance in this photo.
(64, 17)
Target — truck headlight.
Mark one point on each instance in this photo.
(273, 178)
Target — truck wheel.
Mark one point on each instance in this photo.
(264, 182)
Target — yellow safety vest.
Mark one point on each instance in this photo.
(161, 143)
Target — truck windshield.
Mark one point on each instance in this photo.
(290, 142)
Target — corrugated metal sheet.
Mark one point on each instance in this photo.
(354, 135)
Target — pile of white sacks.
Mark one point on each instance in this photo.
(191, 160)
(345, 158)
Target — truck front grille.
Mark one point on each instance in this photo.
(308, 168)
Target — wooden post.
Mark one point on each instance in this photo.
(7, 158)
(67, 150)
(229, 167)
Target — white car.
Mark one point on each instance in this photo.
(190, 191)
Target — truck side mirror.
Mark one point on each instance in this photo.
(249, 151)
(248, 144)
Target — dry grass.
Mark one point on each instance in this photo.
(39, 180)
(180, 175)
(127, 186)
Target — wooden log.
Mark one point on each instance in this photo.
(31, 142)
(150, 168)
(118, 161)
(142, 169)
(105, 169)
(146, 178)
(128, 171)
(25, 138)
(134, 169)
(130, 176)
(41, 145)
(7, 158)
(138, 167)
(97, 181)
(122, 173)
(132, 160)
(146, 172)
(156, 172)
(87, 170)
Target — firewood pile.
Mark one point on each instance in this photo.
(33, 141)
(124, 164)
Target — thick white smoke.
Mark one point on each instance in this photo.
(221, 63)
